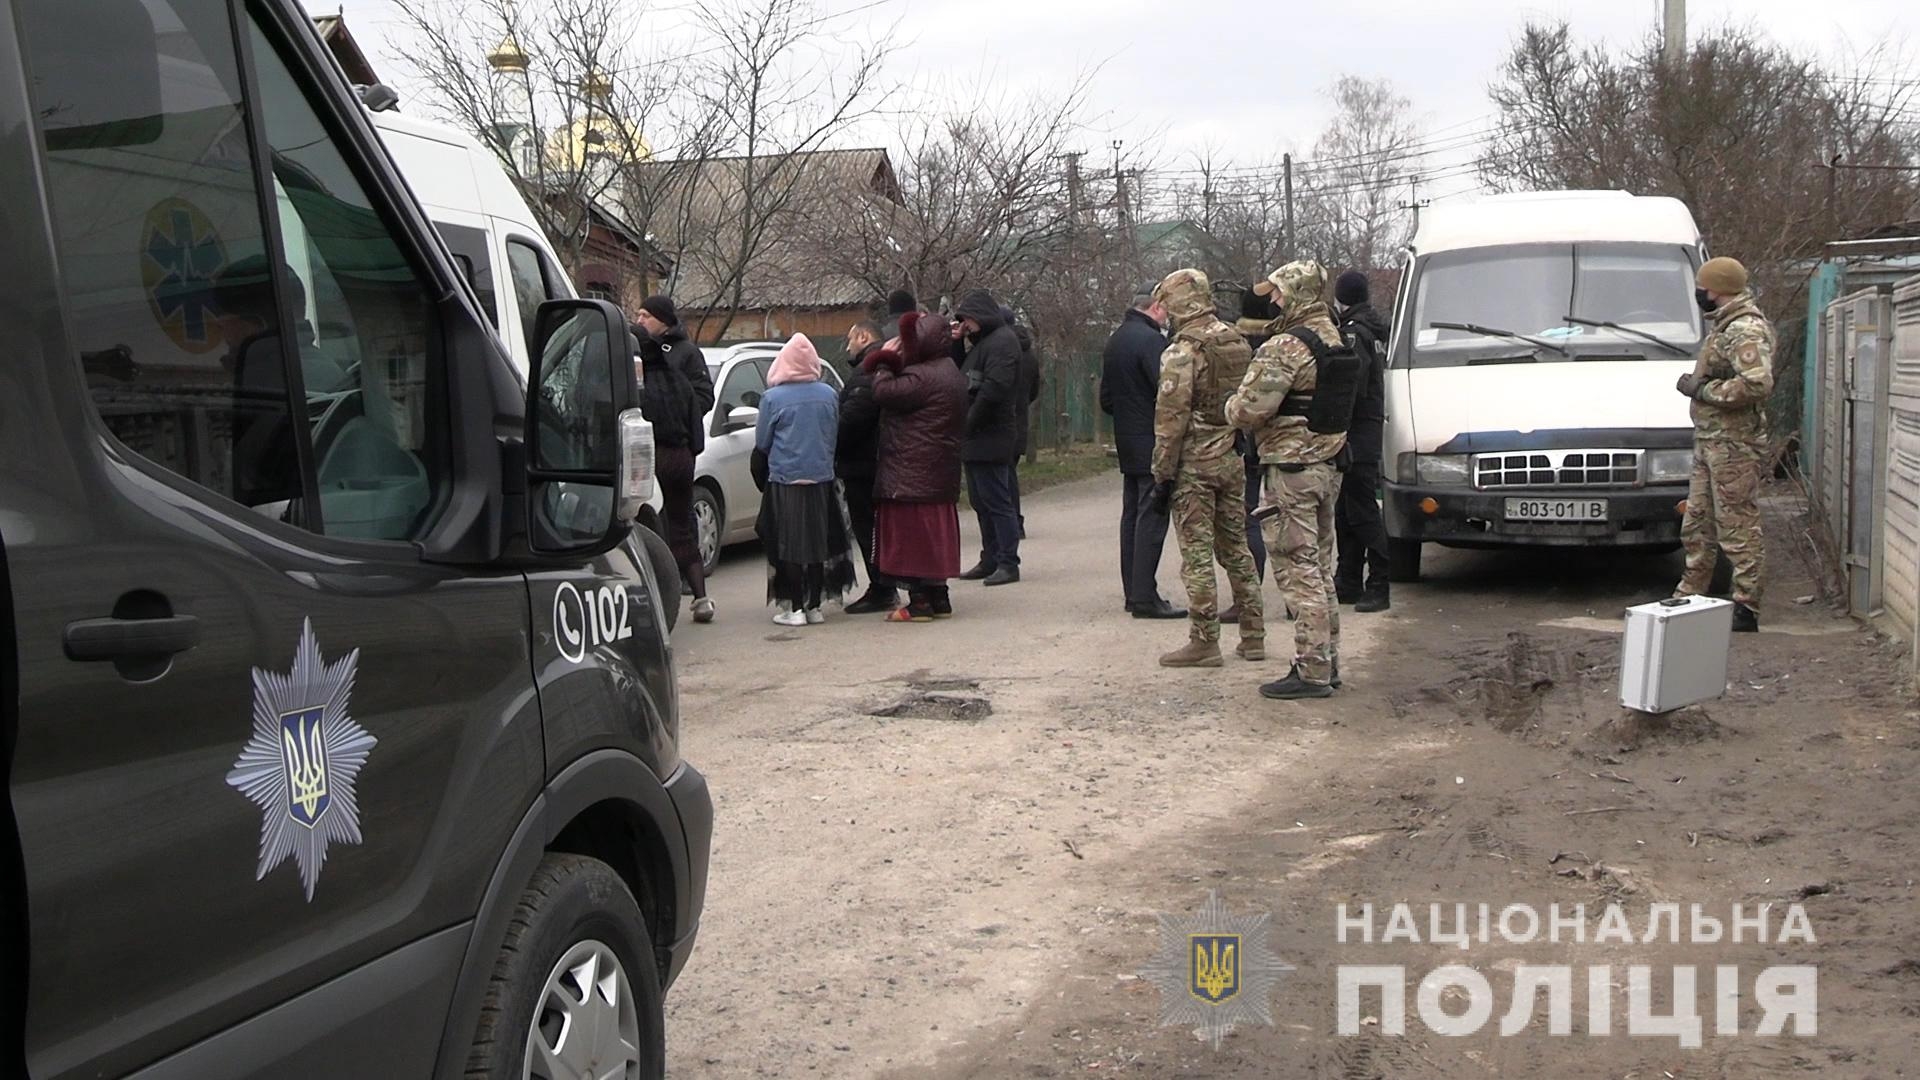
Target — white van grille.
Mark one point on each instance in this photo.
(1557, 469)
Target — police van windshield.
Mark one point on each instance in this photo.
(1548, 292)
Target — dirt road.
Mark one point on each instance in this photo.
(941, 849)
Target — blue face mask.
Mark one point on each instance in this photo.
(1705, 300)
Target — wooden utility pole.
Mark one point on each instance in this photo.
(1286, 168)
(1673, 38)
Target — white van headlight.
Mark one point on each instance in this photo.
(1441, 468)
(1669, 466)
(636, 462)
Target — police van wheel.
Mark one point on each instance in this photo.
(1403, 560)
(665, 573)
(575, 991)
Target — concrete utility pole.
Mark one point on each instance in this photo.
(1286, 168)
(1674, 37)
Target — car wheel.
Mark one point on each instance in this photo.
(666, 573)
(708, 515)
(575, 991)
(1403, 560)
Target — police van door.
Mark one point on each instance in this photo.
(262, 745)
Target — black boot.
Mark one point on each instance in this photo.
(1374, 597)
(875, 601)
(980, 570)
(941, 601)
(1745, 619)
(1294, 688)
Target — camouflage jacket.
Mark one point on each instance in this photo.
(1736, 363)
(1285, 364)
(1203, 364)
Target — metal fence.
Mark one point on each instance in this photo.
(1864, 449)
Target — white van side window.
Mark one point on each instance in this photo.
(533, 279)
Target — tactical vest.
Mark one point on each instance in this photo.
(1227, 358)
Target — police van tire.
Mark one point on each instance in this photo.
(666, 573)
(576, 916)
(1403, 560)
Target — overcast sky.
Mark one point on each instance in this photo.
(1250, 78)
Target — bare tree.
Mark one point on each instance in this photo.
(1352, 192)
(562, 94)
(1745, 131)
(776, 97)
(985, 200)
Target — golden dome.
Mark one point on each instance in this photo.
(598, 133)
(507, 56)
(595, 86)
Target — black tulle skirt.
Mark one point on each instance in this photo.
(808, 540)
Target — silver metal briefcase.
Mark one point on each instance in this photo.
(1674, 653)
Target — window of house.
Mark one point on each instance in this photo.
(600, 290)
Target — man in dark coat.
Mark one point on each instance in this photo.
(1030, 381)
(854, 460)
(992, 368)
(659, 320)
(1359, 530)
(1129, 385)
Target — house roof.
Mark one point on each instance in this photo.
(339, 40)
(791, 270)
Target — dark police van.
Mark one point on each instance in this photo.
(338, 723)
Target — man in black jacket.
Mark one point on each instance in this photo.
(855, 459)
(992, 368)
(1129, 385)
(659, 320)
(1359, 530)
(1029, 393)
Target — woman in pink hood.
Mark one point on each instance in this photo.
(803, 524)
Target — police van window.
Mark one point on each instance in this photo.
(469, 248)
(373, 383)
(157, 222)
(532, 283)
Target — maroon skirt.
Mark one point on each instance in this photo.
(916, 539)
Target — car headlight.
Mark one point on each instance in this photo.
(1669, 466)
(1441, 468)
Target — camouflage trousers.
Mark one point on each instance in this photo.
(1723, 509)
(1210, 523)
(1300, 545)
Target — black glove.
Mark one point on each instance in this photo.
(758, 467)
(1689, 384)
(1162, 497)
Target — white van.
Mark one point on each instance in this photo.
(493, 235)
(1530, 391)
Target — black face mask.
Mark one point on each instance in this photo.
(1705, 300)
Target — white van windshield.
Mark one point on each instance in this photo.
(1553, 294)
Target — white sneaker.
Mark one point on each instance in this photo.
(814, 617)
(790, 618)
(703, 610)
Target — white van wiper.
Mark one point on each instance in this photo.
(1488, 331)
(1642, 334)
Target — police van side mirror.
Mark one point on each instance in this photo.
(589, 451)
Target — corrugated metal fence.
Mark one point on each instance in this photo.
(1865, 449)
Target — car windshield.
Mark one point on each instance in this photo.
(1544, 291)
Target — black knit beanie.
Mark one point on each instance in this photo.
(1351, 289)
(661, 307)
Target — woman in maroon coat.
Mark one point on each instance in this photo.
(923, 417)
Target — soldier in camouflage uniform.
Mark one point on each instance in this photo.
(1196, 470)
(1302, 479)
(1729, 386)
